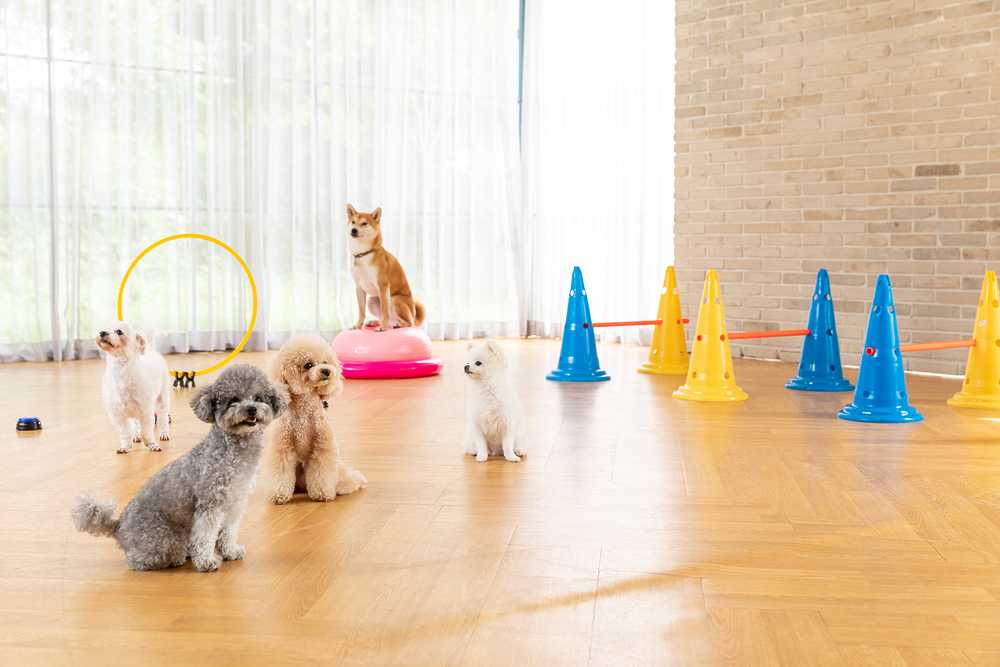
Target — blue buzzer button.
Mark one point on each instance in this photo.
(29, 424)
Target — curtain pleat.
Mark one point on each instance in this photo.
(597, 160)
(126, 121)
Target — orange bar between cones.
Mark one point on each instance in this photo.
(943, 345)
(769, 334)
(630, 324)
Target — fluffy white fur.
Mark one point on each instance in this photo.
(495, 419)
(303, 454)
(136, 385)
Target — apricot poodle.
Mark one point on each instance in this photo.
(303, 454)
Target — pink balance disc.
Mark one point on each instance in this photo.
(395, 353)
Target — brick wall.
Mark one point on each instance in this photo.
(860, 136)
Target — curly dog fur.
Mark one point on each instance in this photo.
(193, 506)
(303, 453)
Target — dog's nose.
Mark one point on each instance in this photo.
(467, 368)
(252, 411)
(103, 334)
(354, 231)
(326, 372)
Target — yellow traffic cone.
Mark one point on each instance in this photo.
(668, 351)
(710, 377)
(981, 388)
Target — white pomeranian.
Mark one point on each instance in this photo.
(496, 420)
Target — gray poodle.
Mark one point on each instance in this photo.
(193, 506)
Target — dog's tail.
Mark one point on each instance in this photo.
(92, 516)
(418, 313)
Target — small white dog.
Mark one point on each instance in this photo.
(496, 421)
(136, 384)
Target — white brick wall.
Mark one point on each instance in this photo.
(860, 136)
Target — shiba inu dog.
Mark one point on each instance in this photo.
(380, 280)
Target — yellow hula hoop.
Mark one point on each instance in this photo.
(253, 286)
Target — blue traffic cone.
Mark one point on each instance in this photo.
(881, 393)
(578, 357)
(819, 365)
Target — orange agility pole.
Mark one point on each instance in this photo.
(629, 324)
(769, 334)
(943, 345)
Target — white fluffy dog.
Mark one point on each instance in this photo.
(496, 421)
(136, 384)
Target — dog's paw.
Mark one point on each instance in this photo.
(512, 457)
(481, 457)
(136, 438)
(320, 496)
(164, 437)
(520, 452)
(372, 323)
(279, 497)
(153, 447)
(351, 482)
(207, 564)
(234, 552)
(125, 449)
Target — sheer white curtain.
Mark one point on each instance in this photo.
(124, 121)
(597, 160)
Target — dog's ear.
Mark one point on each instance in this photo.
(279, 374)
(350, 211)
(277, 396)
(280, 377)
(376, 214)
(142, 343)
(203, 404)
(330, 390)
(497, 351)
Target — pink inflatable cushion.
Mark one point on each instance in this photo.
(395, 353)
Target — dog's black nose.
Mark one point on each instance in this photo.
(467, 368)
(354, 231)
(252, 411)
(103, 334)
(326, 372)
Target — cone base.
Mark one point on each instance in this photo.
(831, 384)
(560, 375)
(963, 400)
(715, 394)
(880, 415)
(664, 368)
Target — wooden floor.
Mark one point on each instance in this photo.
(639, 529)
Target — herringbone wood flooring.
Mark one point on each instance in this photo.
(638, 530)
